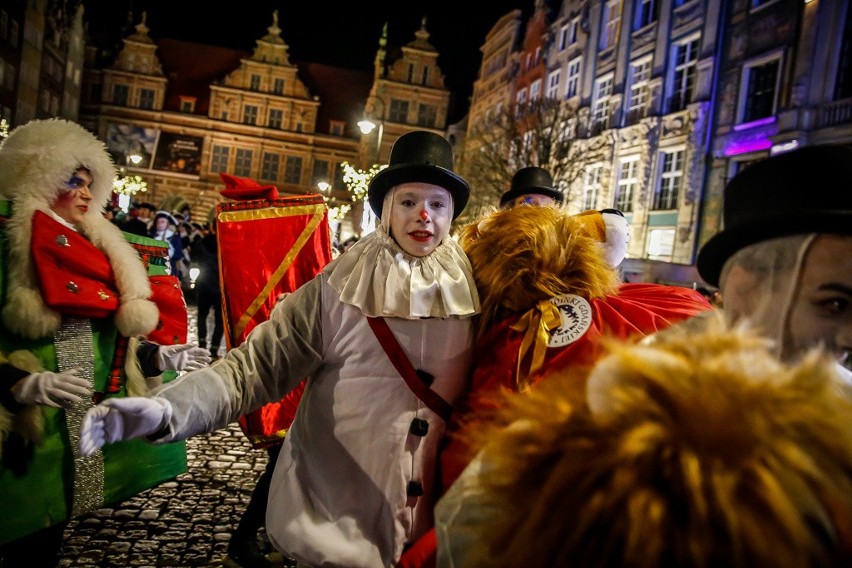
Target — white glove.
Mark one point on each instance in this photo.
(118, 419)
(52, 389)
(183, 357)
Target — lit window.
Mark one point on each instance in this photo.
(671, 178)
(646, 13)
(535, 90)
(600, 112)
(640, 73)
(269, 166)
(683, 74)
(661, 244)
(219, 160)
(627, 183)
(611, 22)
(572, 81)
(120, 94)
(146, 98)
(187, 104)
(293, 170)
(427, 115)
(398, 111)
(276, 118)
(553, 85)
(250, 114)
(242, 162)
(760, 83)
(592, 187)
(568, 34)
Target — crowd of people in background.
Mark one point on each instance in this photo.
(534, 409)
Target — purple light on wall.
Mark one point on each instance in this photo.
(752, 136)
(743, 146)
(755, 123)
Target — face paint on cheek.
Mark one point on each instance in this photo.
(73, 184)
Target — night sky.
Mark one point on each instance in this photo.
(344, 34)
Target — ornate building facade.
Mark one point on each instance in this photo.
(681, 94)
(671, 98)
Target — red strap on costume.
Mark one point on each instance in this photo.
(404, 367)
(422, 554)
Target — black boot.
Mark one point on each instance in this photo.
(244, 551)
(243, 548)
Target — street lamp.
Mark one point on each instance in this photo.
(133, 153)
(367, 126)
(323, 186)
(374, 116)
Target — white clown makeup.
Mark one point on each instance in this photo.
(418, 216)
(796, 289)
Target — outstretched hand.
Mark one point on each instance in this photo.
(183, 357)
(118, 419)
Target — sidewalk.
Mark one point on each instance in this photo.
(182, 523)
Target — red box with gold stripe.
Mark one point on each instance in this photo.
(266, 248)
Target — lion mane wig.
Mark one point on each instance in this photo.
(523, 255)
(700, 449)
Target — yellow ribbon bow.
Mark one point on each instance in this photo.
(536, 325)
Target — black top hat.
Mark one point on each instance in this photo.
(531, 180)
(419, 156)
(803, 191)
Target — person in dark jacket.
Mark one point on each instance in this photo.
(208, 292)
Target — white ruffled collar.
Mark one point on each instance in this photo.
(380, 279)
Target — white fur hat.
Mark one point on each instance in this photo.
(35, 159)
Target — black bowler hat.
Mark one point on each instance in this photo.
(531, 180)
(419, 156)
(166, 215)
(803, 191)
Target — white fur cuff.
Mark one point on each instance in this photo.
(136, 317)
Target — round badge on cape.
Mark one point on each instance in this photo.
(576, 313)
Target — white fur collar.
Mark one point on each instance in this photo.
(35, 158)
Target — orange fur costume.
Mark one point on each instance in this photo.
(694, 450)
(549, 300)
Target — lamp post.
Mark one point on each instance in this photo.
(373, 119)
(370, 122)
(334, 222)
(367, 126)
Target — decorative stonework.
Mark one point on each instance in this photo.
(690, 14)
(644, 38)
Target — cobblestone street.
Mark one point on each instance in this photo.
(181, 523)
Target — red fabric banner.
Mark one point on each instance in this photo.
(266, 248)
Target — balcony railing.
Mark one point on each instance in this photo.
(838, 112)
